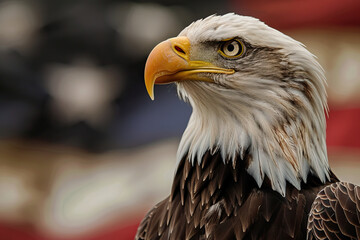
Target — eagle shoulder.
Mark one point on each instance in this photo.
(335, 213)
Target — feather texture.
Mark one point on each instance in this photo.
(335, 213)
(228, 205)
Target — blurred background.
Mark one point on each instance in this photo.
(84, 152)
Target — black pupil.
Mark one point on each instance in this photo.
(230, 47)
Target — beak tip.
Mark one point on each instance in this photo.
(150, 90)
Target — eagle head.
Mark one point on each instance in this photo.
(254, 91)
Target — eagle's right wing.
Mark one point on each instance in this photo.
(335, 213)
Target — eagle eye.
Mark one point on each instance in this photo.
(232, 49)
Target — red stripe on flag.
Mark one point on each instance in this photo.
(121, 231)
(343, 128)
(301, 13)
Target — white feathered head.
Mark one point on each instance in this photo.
(252, 89)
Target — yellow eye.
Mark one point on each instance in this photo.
(232, 49)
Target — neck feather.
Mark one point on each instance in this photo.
(283, 147)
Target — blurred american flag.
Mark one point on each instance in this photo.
(84, 152)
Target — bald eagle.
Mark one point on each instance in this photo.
(252, 162)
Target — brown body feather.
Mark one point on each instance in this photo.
(335, 213)
(217, 200)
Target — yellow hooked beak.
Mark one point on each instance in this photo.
(170, 62)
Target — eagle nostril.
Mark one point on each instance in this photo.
(179, 50)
